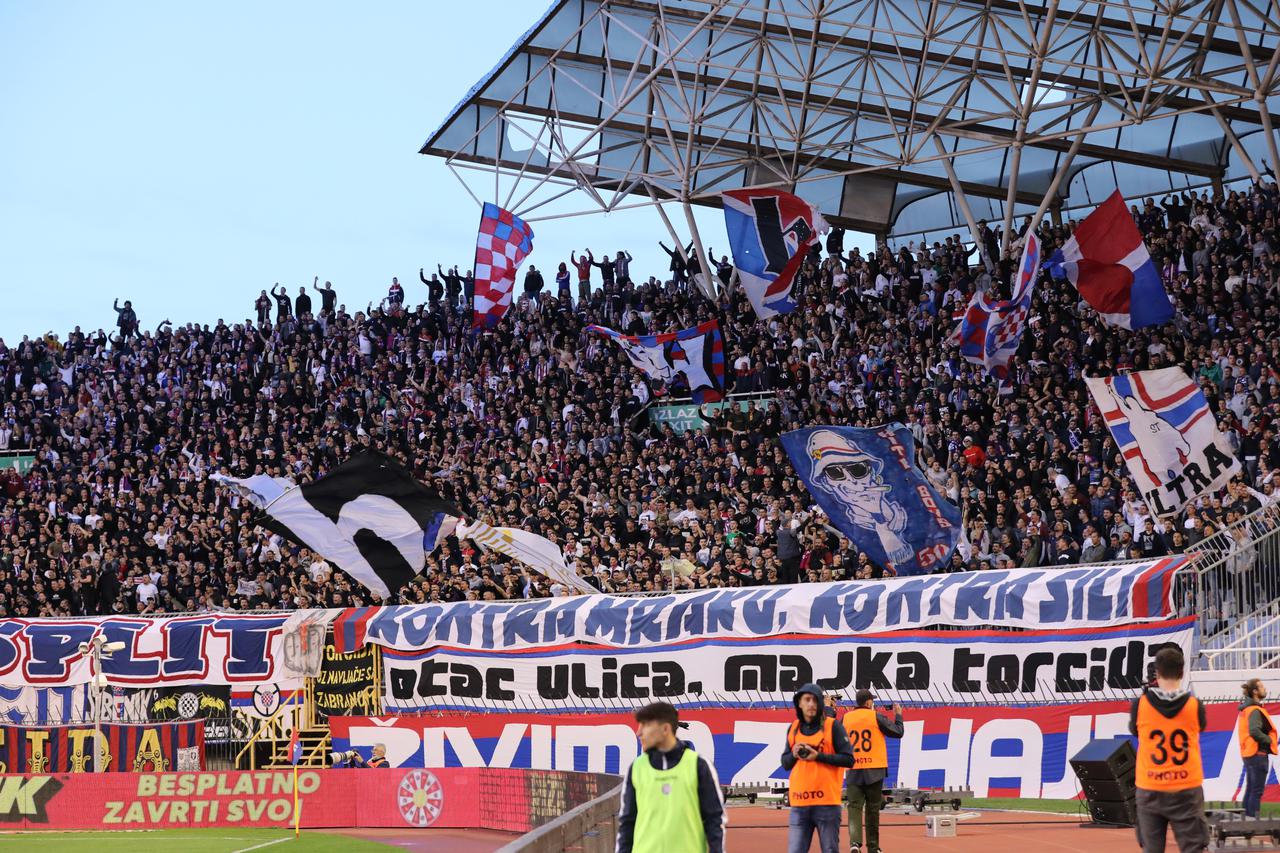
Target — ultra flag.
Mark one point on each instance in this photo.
(867, 483)
(1161, 422)
(536, 552)
(1109, 264)
(691, 358)
(502, 243)
(989, 332)
(369, 517)
(770, 232)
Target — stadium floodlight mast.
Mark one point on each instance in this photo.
(968, 110)
(98, 650)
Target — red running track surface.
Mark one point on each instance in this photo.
(762, 829)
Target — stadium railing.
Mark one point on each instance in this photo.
(590, 828)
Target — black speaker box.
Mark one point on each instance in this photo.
(1106, 770)
(1118, 813)
(1106, 760)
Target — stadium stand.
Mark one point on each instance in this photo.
(106, 506)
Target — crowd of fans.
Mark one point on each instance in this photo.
(540, 426)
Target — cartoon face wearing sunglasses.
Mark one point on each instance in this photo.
(853, 477)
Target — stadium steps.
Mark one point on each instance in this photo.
(315, 749)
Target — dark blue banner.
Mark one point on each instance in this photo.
(867, 483)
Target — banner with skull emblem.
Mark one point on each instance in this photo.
(867, 482)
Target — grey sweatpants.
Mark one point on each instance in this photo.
(1182, 810)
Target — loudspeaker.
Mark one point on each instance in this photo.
(1106, 769)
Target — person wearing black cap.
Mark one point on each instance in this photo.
(867, 730)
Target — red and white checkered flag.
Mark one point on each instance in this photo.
(502, 243)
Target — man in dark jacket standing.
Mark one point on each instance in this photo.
(867, 731)
(671, 798)
(817, 754)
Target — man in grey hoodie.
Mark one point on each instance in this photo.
(816, 756)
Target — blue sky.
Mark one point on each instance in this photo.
(187, 155)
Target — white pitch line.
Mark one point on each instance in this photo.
(260, 846)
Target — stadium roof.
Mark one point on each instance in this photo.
(892, 115)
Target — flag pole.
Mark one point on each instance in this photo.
(297, 814)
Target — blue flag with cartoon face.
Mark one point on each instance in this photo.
(867, 483)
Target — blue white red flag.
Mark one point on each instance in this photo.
(295, 747)
(770, 232)
(1109, 264)
(502, 243)
(692, 359)
(990, 331)
(867, 483)
(1161, 422)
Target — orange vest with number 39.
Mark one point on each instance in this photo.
(1169, 748)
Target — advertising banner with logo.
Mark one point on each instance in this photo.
(69, 749)
(910, 666)
(997, 751)
(347, 683)
(417, 798)
(1076, 597)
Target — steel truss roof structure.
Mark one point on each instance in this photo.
(893, 116)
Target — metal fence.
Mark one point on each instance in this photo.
(1233, 587)
(590, 828)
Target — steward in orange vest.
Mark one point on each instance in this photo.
(817, 755)
(867, 729)
(1256, 734)
(1168, 720)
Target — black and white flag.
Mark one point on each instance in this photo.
(369, 517)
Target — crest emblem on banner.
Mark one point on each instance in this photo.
(420, 797)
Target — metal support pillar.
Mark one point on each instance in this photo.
(962, 202)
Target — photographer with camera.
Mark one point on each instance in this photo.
(351, 758)
(817, 754)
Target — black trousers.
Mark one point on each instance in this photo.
(1182, 810)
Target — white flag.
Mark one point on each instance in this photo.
(536, 552)
(1162, 424)
(258, 490)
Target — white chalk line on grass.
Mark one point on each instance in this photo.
(260, 846)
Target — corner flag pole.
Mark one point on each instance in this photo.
(297, 815)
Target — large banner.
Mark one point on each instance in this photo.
(997, 751)
(964, 666)
(1017, 598)
(867, 482)
(509, 800)
(69, 749)
(215, 648)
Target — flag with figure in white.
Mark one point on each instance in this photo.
(867, 483)
(502, 242)
(990, 332)
(691, 359)
(369, 517)
(1161, 422)
(536, 552)
(770, 232)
